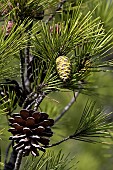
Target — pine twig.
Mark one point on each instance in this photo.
(40, 98)
(29, 97)
(31, 104)
(27, 59)
(57, 9)
(67, 107)
(18, 160)
(27, 54)
(75, 137)
(55, 144)
(37, 101)
(36, 105)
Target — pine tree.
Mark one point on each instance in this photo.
(50, 47)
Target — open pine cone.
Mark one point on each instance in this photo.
(31, 131)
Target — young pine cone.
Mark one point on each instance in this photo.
(63, 66)
(31, 131)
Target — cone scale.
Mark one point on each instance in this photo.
(31, 131)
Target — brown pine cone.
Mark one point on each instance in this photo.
(31, 131)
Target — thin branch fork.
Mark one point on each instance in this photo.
(37, 101)
(75, 137)
(29, 97)
(67, 107)
(55, 144)
(61, 141)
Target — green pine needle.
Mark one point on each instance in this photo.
(51, 161)
(82, 39)
(9, 49)
(94, 124)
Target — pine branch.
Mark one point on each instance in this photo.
(92, 126)
(38, 100)
(74, 42)
(75, 137)
(57, 143)
(27, 61)
(22, 64)
(32, 95)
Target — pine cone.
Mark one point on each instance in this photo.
(31, 131)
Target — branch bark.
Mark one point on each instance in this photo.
(37, 101)
(18, 160)
(74, 137)
(57, 143)
(22, 62)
